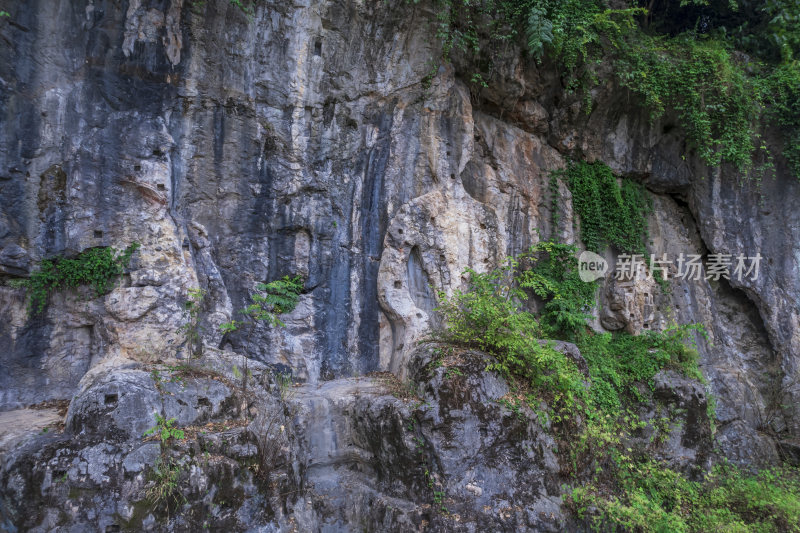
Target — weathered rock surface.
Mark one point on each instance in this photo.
(309, 139)
(342, 455)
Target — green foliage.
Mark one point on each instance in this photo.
(722, 99)
(539, 31)
(679, 58)
(96, 267)
(164, 487)
(165, 430)
(452, 372)
(610, 213)
(620, 488)
(489, 316)
(284, 382)
(280, 295)
(619, 361)
(781, 90)
(553, 277)
(717, 102)
(248, 9)
(653, 498)
(268, 301)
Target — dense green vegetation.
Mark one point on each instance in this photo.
(678, 56)
(490, 316)
(609, 213)
(612, 211)
(652, 498)
(618, 361)
(96, 267)
(595, 417)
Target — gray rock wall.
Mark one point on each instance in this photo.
(309, 139)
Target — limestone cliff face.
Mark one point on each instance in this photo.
(309, 138)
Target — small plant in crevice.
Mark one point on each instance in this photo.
(268, 301)
(270, 431)
(164, 483)
(96, 267)
(284, 383)
(452, 372)
(165, 430)
(432, 483)
(191, 328)
(163, 488)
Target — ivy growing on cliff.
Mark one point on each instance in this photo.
(680, 57)
(612, 211)
(96, 267)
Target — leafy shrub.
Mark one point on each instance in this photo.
(489, 316)
(96, 267)
(165, 430)
(268, 301)
(619, 361)
(653, 498)
(553, 277)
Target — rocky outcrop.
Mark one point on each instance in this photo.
(444, 451)
(353, 452)
(314, 138)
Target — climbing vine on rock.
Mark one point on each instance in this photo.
(682, 57)
(96, 267)
(611, 211)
